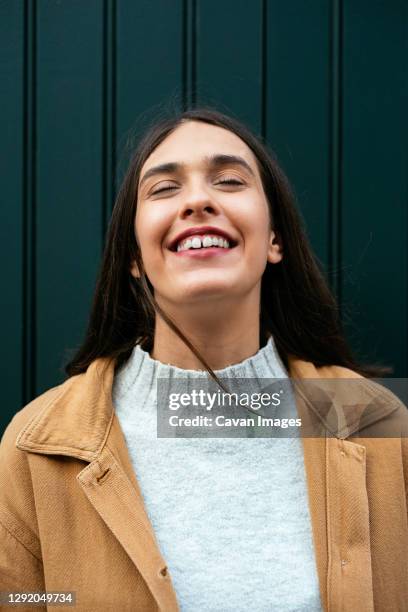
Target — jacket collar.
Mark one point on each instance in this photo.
(78, 416)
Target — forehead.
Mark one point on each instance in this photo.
(193, 141)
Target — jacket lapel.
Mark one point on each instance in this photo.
(120, 505)
(336, 479)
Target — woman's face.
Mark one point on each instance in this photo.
(203, 175)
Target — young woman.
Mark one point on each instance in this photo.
(206, 264)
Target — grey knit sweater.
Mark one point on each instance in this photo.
(231, 515)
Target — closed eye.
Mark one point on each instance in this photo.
(229, 182)
(166, 188)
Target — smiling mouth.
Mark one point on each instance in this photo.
(196, 243)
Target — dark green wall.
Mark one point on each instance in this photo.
(324, 81)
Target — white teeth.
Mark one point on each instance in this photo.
(197, 242)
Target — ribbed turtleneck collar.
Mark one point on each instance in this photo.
(140, 367)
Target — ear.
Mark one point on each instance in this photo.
(275, 252)
(134, 269)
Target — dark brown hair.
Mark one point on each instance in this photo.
(297, 306)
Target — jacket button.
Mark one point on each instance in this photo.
(163, 571)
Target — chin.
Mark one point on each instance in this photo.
(198, 292)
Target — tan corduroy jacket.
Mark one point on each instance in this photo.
(72, 516)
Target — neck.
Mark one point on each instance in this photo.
(226, 335)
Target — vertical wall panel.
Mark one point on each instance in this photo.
(149, 67)
(229, 58)
(108, 111)
(374, 219)
(69, 181)
(12, 202)
(298, 106)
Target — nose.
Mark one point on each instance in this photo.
(197, 202)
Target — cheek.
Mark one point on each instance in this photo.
(255, 227)
(149, 229)
(252, 218)
(144, 229)
(262, 213)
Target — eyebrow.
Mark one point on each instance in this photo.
(212, 161)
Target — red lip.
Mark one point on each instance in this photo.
(201, 229)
